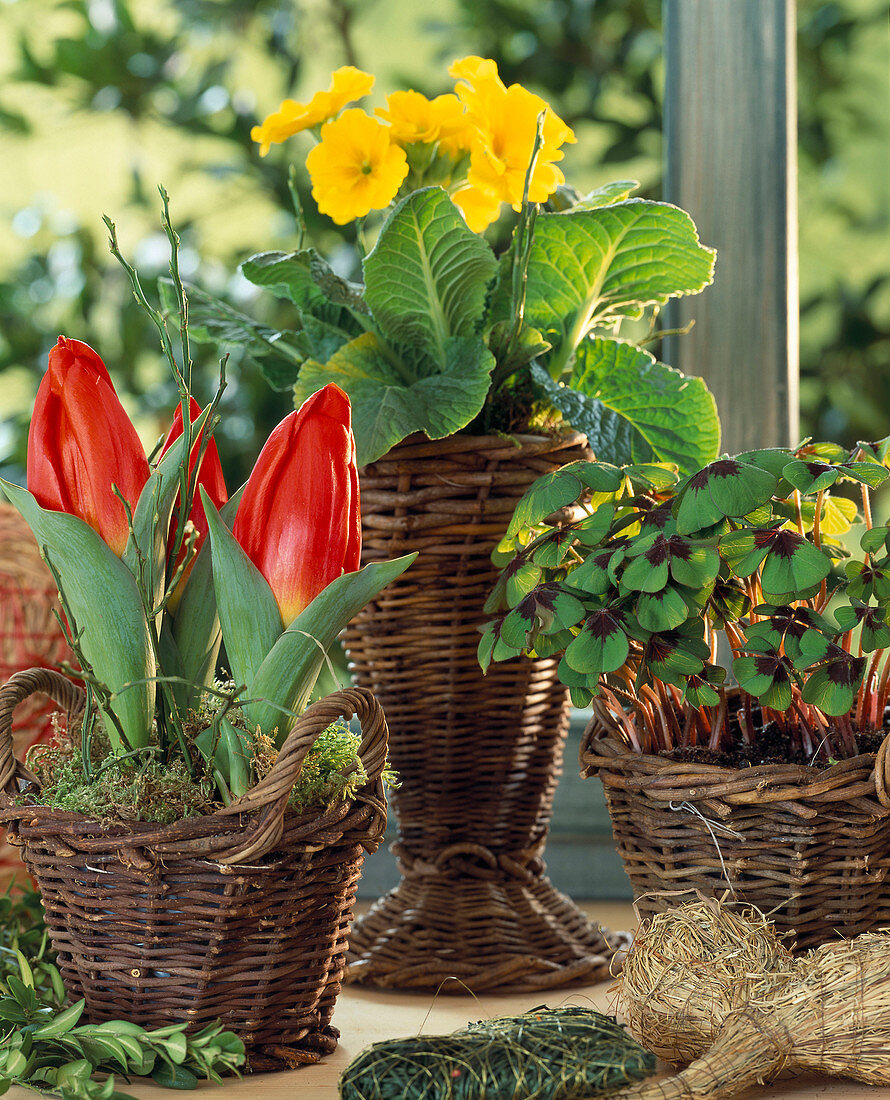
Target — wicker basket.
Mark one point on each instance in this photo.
(241, 915)
(808, 846)
(479, 756)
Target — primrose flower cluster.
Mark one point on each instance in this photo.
(157, 564)
(476, 142)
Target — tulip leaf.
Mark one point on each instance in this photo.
(230, 750)
(287, 675)
(107, 608)
(248, 612)
(147, 545)
(634, 409)
(392, 397)
(194, 627)
(427, 276)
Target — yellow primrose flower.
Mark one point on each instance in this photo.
(415, 119)
(355, 168)
(506, 122)
(347, 84)
(479, 208)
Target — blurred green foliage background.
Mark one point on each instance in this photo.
(102, 100)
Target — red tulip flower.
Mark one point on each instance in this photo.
(210, 476)
(298, 520)
(81, 443)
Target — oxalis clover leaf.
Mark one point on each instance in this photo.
(738, 560)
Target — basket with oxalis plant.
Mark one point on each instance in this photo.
(216, 827)
(471, 369)
(658, 594)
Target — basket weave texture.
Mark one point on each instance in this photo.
(479, 756)
(29, 635)
(241, 915)
(808, 846)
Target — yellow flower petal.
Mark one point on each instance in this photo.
(347, 84)
(479, 208)
(355, 168)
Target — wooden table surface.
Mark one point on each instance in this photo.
(367, 1016)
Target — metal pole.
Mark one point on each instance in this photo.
(731, 137)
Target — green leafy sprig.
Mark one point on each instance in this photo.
(44, 1047)
(637, 589)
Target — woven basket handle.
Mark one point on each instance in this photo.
(19, 686)
(271, 794)
(882, 772)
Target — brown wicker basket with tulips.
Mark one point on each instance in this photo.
(197, 840)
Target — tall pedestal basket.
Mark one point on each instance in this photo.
(478, 756)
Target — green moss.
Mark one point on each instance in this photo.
(148, 789)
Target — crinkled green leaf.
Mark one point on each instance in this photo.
(308, 281)
(607, 195)
(426, 277)
(590, 267)
(634, 409)
(390, 400)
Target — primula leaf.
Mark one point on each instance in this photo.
(426, 277)
(305, 279)
(103, 597)
(607, 195)
(634, 409)
(248, 612)
(590, 267)
(290, 668)
(391, 401)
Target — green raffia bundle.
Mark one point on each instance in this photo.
(546, 1054)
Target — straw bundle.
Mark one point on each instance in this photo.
(566, 1053)
(827, 1012)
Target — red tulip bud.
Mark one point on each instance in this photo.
(210, 476)
(81, 443)
(298, 520)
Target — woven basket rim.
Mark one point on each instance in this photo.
(418, 445)
(617, 764)
(249, 828)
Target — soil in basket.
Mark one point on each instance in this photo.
(773, 746)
